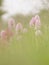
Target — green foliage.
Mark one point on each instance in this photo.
(1, 11)
(30, 49)
(1, 1)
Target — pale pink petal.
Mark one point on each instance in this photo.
(19, 27)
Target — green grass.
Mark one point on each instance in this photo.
(29, 50)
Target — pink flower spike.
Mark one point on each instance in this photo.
(19, 27)
(32, 22)
(37, 23)
(11, 23)
(3, 34)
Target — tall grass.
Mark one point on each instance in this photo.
(28, 50)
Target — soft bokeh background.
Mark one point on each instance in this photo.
(24, 6)
(30, 50)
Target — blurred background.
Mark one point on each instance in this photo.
(30, 50)
(24, 7)
(23, 10)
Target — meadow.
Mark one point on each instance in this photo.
(28, 49)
